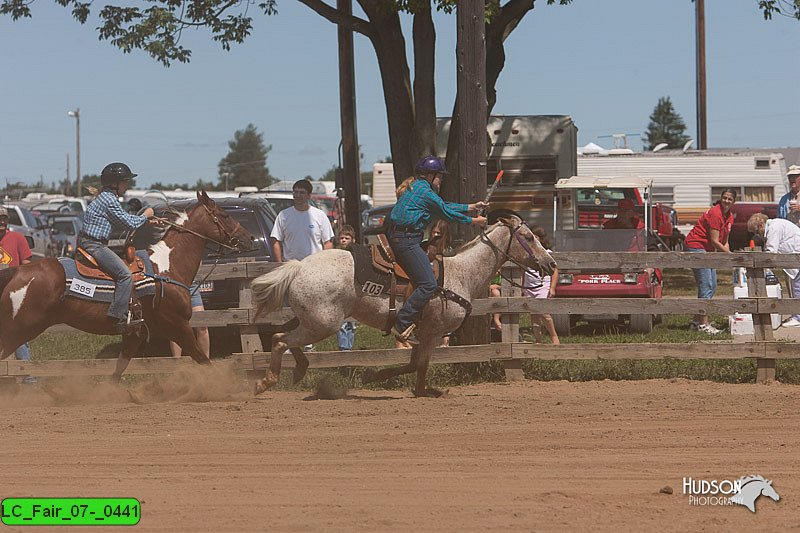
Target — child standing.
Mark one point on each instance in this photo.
(347, 333)
(537, 286)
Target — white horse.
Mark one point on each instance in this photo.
(321, 291)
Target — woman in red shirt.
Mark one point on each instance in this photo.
(710, 234)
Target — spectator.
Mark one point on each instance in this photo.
(710, 234)
(134, 206)
(538, 286)
(301, 230)
(788, 206)
(494, 292)
(14, 251)
(347, 332)
(782, 237)
(626, 217)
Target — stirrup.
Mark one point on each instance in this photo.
(407, 335)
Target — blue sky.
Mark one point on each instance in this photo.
(606, 63)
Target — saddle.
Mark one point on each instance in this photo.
(383, 260)
(87, 265)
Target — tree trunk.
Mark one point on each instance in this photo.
(424, 86)
(390, 48)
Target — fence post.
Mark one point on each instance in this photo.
(251, 341)
(762, 323)
(512, 367)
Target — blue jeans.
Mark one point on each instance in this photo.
(23, 353)
(346, 336)
(415, 262)
(114, 266)
(706, 278)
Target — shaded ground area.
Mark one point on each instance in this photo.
(203, 455)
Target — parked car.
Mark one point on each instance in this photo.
(65, 229)
(257, 217)
(278, 200)
(40, 239)
(374, 222)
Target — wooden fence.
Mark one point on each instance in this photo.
(253, 359)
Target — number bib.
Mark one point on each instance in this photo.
(82, 287)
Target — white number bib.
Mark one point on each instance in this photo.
(81, 287)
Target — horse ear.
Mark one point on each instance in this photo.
(511, 222)
(203, 197)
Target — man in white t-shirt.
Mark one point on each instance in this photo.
(301, 230)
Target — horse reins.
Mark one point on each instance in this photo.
(485, 238)
(215, 218)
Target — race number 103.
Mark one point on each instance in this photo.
(70, 511)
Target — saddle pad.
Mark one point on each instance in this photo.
(372, 282)
(368, 280)
(98, 290)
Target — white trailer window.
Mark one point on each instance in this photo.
(663, 195)
(747, 194)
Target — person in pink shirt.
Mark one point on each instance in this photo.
(710, 234)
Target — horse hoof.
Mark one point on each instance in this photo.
(263, 385)
(297, 375)
(429, 393)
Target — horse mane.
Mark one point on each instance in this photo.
(471, 244)
(745, 480)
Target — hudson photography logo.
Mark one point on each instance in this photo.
(743, 491)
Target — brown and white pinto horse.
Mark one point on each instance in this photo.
(32, 295)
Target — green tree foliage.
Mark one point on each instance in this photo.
(246, 162)
(330, 174)
(666, 126)
(786, 8)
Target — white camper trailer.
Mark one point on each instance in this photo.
(690, 182)
(383, 186)
(533, 151)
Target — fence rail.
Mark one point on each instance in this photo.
(764, 350)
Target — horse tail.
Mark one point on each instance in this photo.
(269, 290)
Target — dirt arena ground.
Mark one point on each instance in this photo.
(203, 455)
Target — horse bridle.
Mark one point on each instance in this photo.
(514, 235)
(230, 236)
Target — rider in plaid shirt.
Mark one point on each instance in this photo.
(410, 215)
(102, 214)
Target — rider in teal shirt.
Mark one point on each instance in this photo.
(410, 215)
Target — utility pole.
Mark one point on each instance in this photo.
(65, 192)
(351, 170)
(471, 114)
(700, 31)
(77, 115)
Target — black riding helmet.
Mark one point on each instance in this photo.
(114, 173)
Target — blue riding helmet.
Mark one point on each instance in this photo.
(430, 164)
